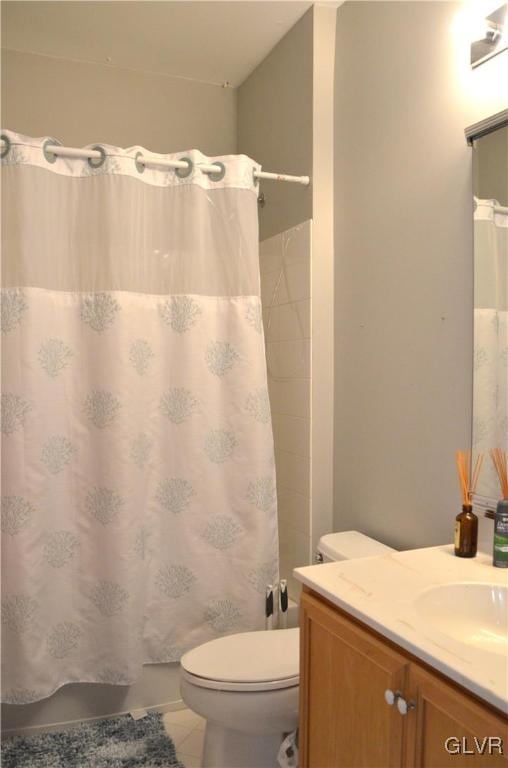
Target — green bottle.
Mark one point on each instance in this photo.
(501, 535)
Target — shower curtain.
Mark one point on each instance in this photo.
(490, 408)
(138, 505)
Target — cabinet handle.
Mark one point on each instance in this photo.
(404, 706)
(391, 697)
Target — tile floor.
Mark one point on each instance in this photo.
(187, 731)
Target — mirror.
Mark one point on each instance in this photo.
(490, 380)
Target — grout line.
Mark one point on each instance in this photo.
(288, 527)
(281, 487)
(285, 303)
(291, 453)
(293, 491)
(292, 341)
(299, 338)
(300, 418)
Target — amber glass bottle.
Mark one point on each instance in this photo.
(466, 532)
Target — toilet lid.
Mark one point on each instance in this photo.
(246, 661)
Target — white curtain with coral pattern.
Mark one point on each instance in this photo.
(490, 408)
(138, 503)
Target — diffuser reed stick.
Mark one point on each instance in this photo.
(468, 482)
(500, 459)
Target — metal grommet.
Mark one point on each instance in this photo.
(182, 173)
(255, 180)
(7, 146)
(140, 167)
(96, 162)
(221, 172)
(50, 157)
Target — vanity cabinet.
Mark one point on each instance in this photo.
(441, 711)
(365, 703)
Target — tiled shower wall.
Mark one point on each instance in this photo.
(285, 262)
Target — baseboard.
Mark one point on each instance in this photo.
(31, 730)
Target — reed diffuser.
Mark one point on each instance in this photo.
(466, 523)
(500, 459)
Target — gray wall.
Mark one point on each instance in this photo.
(404, 93)
(275, 125)
(82, 103)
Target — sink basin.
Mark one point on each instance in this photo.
(472, 613)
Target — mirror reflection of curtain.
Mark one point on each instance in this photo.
(490, 408)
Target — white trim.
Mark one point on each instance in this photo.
(489, 124)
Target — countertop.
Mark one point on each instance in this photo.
(380, 592)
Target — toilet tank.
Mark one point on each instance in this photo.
(347, 545)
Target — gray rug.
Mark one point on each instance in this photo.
(118, 742)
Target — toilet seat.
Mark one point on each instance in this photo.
(223, 685)
(248, 661)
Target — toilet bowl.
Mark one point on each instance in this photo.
(246, 685)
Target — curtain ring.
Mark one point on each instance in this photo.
(96, 162)
(50, 157)
(140, 167)
(7, 146)
(219, 174)
(182, 173)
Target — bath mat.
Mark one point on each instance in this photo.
(118, 742)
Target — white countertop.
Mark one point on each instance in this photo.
(380, 592)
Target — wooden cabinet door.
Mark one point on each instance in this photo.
(443, 712)
(345, 721)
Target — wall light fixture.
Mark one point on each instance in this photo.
(490, 36)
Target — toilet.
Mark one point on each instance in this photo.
(246, 685)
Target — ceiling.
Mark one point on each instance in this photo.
(214, 42)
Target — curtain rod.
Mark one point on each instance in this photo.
(95, 154)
